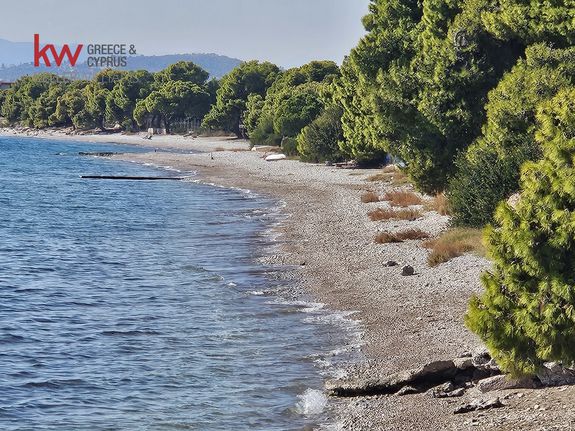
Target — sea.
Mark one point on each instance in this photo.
(143, 305)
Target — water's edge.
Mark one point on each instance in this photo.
(313, 402)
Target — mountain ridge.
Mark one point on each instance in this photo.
(16, 61)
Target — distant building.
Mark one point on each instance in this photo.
(5, 85)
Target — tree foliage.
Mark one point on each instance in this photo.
(416, 84)
(131, 99)
(527, 314)
(319, 141)
(489, 171)
(294, 100)
(232, 95)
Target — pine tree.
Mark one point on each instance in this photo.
(527, 314)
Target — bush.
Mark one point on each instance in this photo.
(482, 182)
(264, 133)
(489, 171)
(289, 147)
(526, 315)
(319, 141)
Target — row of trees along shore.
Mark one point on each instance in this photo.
(476, 97)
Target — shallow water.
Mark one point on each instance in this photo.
(138, 306)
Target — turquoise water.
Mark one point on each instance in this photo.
(138, 305)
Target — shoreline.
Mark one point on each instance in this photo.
(327, 238)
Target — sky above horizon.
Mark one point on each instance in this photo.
(286, 32)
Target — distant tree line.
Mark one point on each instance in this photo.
(129, 99)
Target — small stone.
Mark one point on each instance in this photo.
(447, 390)
(407, 271)
(449, 394)
(520, 395)
(392, 263)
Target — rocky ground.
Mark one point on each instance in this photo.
(407, 321)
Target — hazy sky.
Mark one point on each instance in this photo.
(286, 32)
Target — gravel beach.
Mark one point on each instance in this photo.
(328, 239)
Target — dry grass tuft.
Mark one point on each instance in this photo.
(402, 198)
(394, 214)
(390, 174)
(382, 176)
(369, 197)
(438, 203)
(386, 237)
(455, 243)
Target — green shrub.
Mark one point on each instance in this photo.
(289, 147)
(489, 170)
(527, 314)
(482, 182)
(264, 133)
(319, 141)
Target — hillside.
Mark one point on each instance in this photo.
(15, 61)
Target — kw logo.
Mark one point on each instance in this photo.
(42, 53)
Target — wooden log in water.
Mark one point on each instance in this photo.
(119, 177)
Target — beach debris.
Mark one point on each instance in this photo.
(275, 157)
(391, 263)
(475, 405)
(407, 271)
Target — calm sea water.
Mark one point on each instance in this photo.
(138, 306)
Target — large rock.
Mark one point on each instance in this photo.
(463, 363)
(502, 382)
(554, 374)
(429, 374)
(479, 405)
